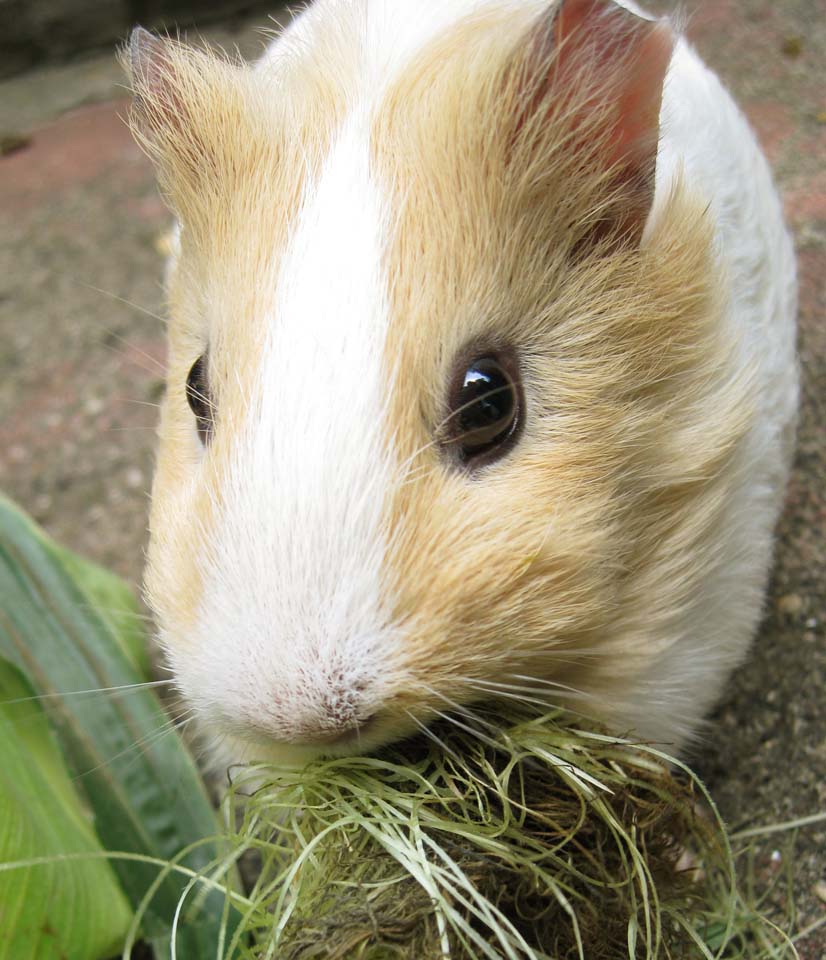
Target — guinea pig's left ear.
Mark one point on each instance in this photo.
(154, 66)
(146, 59)
(185, 100)
(600, 69)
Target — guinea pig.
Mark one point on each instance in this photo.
(481, 374)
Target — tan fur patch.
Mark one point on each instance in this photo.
(567, 560)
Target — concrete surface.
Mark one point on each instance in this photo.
(81, 355)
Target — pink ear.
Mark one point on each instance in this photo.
(153, 76)
(146, 58)
(609, 65)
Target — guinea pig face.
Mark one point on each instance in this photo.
(422, 358)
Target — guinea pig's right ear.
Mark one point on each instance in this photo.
(592, 75)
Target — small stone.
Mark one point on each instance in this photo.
(792, 46)
(155, 389)
(820, 890)
(93, 406)
(134, 478)
(12, 142)
(812, 622)
(165, 243)
(790, 605)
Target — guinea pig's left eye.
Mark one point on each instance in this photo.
(484, 409)
(199, 399)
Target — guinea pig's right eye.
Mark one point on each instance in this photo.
(200, 402)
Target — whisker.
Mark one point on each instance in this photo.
(437, 439)
(130, 429)
(152, 739)
(123, 300)
(432, 736)
(475, 732)
(168, 726)
(553, 685)
(124, 688)
(154, 367)
(140, 403)
(468, 715)
(512, 693)
(562, 691)
(404, 466)
(202, 397)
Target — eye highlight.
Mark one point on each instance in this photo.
(199, 399)
(485, 406)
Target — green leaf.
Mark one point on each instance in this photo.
(113, 601)
(138, 778)
(65, 908)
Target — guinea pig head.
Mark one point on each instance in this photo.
(436, 371)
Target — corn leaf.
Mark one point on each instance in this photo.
(126, 759)
(63, 907)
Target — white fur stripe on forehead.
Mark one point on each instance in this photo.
(293, 606)
(390, 32)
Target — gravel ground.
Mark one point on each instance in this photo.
(81, 357)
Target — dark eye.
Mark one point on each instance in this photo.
(200, 402)
(484, 404)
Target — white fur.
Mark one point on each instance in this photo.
(706, 140)
(391, 31)
(293, 633)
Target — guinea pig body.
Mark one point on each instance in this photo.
(482, 376)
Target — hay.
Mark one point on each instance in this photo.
(532, 838)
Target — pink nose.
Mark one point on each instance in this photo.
(330, 737)
(334, 719)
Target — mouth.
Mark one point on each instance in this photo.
(348, 738)
(251, 744)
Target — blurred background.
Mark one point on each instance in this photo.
(33, 32)
(82, 349)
